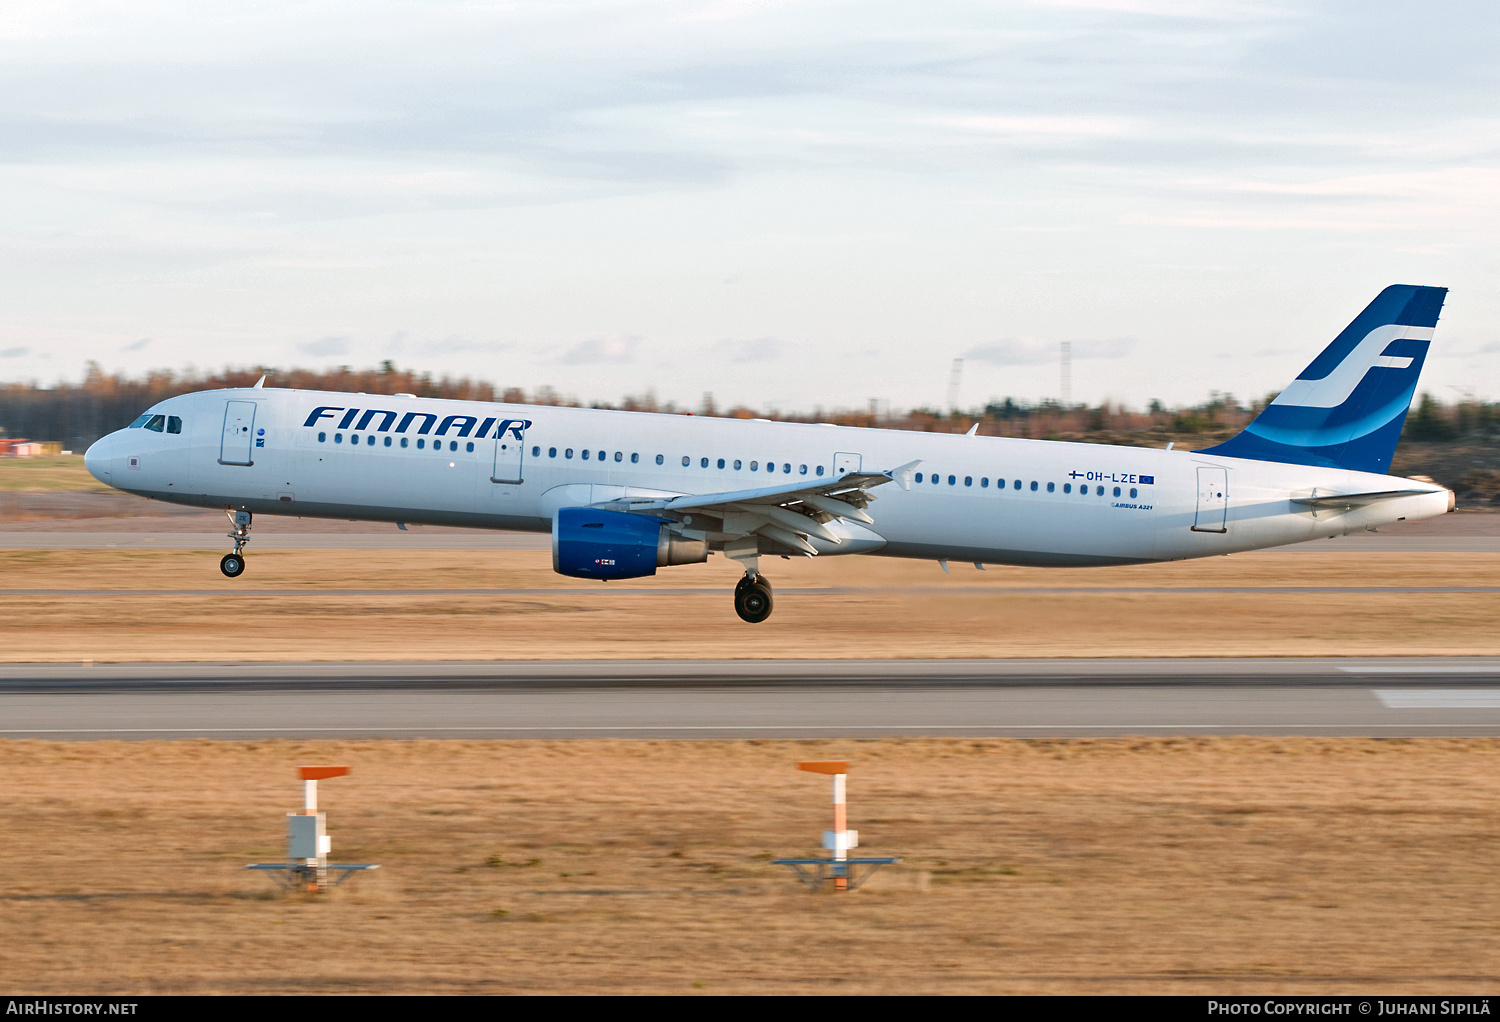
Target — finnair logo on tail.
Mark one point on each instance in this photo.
(1334, 389)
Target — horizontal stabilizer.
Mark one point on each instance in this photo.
(1351, 500)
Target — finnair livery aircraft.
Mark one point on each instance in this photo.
(625, 493)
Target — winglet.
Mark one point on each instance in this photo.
(902, 475)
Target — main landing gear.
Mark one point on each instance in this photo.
(752, 598)
(233, 565)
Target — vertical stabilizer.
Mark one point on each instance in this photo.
(1347, 408)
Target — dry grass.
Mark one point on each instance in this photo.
(53, 473)
(1137, 866)
(886, 609)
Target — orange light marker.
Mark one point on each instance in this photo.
(307, 842)
(310, 778)
(840, 839)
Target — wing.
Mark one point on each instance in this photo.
(787, 515)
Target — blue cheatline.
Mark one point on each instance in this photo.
(1347, 408)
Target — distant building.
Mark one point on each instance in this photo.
(20, 447)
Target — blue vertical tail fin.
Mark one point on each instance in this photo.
(1347, 408)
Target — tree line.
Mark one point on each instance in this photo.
(78, 414)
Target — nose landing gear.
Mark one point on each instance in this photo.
(233, 565)
(752, 598)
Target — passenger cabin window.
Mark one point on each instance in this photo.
(820, 469)
(388, 441)
(803, 470)
(736, 464)
(421, 443)
(1051, 487)
(953, 480)
(658, 459)
(1132, 493)
(1117, 491)
(585, 454)
(635, 458)
(1067, 487)
(1017, 485)
(754, 465)
(1033, 486)
(721, 462)
(569, 453)
(984, 482)
(619, 455)
(968, 480)
(536, 452)
(703, 463)
(157, 423)
(403, 441)
(686, 461)
(919, 477)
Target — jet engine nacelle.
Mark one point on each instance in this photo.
(588, 543)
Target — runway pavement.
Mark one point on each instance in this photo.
(1398, 697)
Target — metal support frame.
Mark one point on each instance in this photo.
(292, 876)
(816, 872)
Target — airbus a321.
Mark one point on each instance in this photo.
(626, 493)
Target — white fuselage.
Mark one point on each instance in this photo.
(1077, 504)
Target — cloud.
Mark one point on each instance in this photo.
(325, 346)
(460, 345)
(615, 349)
(138, 345)
(1030, 351)
(14, 352)
(760, 349)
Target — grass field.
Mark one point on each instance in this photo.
(52, 473)
(883, 608)
(1288, 866)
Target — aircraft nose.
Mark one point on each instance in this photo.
(97, 459)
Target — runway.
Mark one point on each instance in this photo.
(1397, 697)
(458, 539)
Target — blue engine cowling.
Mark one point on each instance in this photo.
(604, 544)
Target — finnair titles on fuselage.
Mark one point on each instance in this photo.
(624, 493)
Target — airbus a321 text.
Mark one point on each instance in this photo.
(626, 493)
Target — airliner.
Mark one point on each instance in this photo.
(626, 493)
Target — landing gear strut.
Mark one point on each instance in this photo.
(752, 598)
(233, 565)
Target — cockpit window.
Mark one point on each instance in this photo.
(156, 423)
(138, 423)
(174, 424)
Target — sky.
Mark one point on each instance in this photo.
(790, 205)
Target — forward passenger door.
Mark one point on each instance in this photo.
(238, 441)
